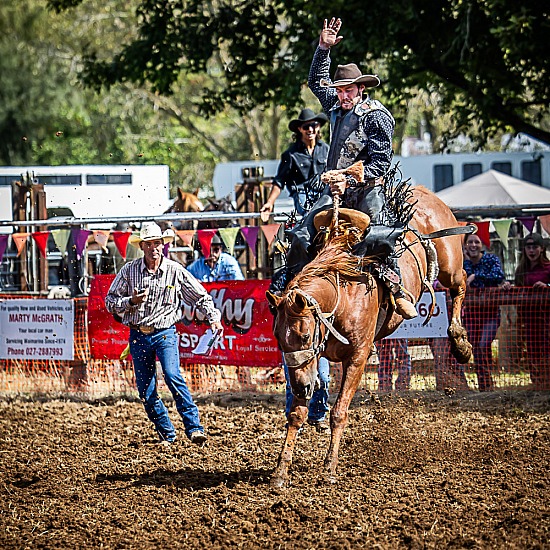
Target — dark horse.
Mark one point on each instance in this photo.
(336, 310)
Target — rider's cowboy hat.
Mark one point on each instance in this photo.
(306, 115)
(151, 231)
(350, 74)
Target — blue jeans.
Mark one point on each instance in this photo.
(299, 199)
(318, 405)
(145, 348)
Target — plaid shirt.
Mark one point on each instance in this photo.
(169, 288)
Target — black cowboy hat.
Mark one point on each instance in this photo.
(306, 115)
(350, 74)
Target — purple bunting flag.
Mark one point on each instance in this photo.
(250, 233)
(80, 238)
(3, 245)
(528, 222)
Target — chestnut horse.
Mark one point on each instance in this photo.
(332, 308)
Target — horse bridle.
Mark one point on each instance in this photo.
(295, 359)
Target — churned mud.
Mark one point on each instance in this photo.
(416, 471)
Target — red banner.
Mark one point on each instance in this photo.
(247, 341)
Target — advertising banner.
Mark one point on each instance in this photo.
(436, 326)
(37, 329)
(247, 340)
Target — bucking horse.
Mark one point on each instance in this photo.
(338, 306)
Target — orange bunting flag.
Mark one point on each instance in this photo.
(121, 241)
(483, 233)
(20, 240)
(102, 238)
(205, 237)
(186, 236)
(545, 222)
(41, 240)
(270, 231)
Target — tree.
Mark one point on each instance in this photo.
(48, 117)
(485, 60)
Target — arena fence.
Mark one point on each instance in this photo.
(510, 331)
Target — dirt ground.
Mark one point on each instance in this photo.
(417, 471)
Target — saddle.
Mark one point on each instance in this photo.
(354, 218)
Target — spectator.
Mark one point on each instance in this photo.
(300, 164)
(390, 352)
(298, 171)
(534, 271)
(220, 266)
(484, 271)
(217, 266)
(148, 294)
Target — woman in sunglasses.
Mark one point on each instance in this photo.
(305, 159)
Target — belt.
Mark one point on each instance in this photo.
(144, 329)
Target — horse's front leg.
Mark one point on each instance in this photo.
(352, 373)
(458, 337)
(295, 420)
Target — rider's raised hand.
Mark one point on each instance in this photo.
(329, 35)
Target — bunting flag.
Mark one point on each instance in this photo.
(250, 233)
(186, 237)
(545, 222)
(205, 237)
(483, 233)
(80, 238)
(41, 239)
(121, 241)
(102, 238)
(3, 245)
(528, 222)
(229, 236)
(270, 231)
(61, 238)
(502, 227)
(20, 240)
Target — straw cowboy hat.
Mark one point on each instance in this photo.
(151, 231)
(306, 115)
(350, 74)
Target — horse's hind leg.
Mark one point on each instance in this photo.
(296, 419)
(458, 337)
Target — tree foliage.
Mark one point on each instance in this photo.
(485, 60)
(48, 117)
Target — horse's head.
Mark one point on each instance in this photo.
(186, 202)
(300, 335)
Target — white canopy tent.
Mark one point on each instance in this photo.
(493, 188)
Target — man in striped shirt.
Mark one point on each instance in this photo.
(148, 295)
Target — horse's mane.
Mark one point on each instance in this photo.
(334, 258)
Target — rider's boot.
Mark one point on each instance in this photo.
(403, 306)
(391, 274)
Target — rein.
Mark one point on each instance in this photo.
(295, 359)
